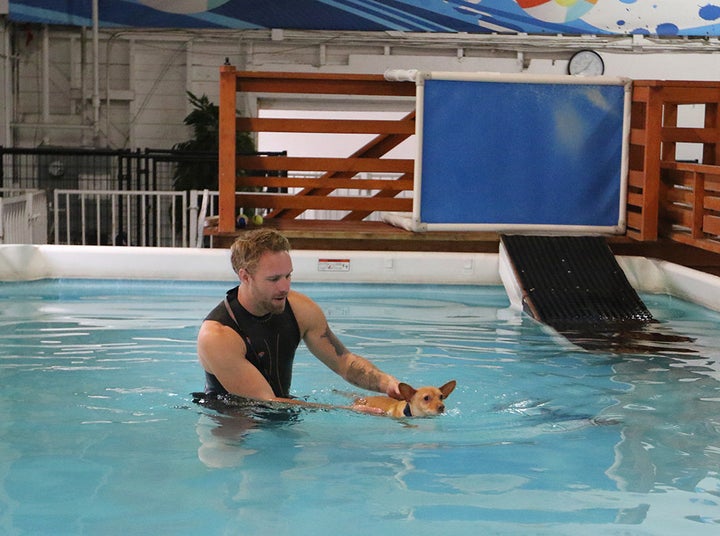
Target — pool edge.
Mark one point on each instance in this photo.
(22, 262)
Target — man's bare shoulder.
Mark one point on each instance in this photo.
(307, 313)
(217, 343)
(212, 330)
(301, 302)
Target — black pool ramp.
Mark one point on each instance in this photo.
(575, 285)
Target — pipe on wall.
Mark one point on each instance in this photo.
(96, 72)
(45, 74)
(9, 98)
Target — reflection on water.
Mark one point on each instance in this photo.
(221, 439)
(223, 430)
(627, 338)
(671, 424)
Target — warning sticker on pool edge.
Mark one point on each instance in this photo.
(333, 265)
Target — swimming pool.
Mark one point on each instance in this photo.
(100, 435)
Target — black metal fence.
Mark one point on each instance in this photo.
(62, 168)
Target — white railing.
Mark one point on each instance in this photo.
(120, 217)
(202, 204)
(23, 216)
(137, 217)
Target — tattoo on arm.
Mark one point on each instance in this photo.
(365, 375)
(361, 372)
(335, 342)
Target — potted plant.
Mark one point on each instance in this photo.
(197, 164)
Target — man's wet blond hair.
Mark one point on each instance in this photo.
(250, 246)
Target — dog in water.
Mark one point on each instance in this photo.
(421, 402)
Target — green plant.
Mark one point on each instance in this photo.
(197, 166)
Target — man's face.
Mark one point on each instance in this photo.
(269, 283)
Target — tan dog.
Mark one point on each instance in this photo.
(421, 402)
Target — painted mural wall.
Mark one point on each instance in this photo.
(52, 95)
(569, 17)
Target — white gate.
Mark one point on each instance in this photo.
(120, 218)
(23, 216)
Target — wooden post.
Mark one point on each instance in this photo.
(226, 150)
(651, 164)
(711, 151)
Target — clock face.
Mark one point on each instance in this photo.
(586, 63)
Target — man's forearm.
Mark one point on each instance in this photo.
(362, 373)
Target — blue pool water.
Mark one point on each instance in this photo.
(99, 434)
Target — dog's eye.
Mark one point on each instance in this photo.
(426, 398)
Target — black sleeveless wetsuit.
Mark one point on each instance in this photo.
(271, 342)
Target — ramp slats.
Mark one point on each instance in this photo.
(573, 281)
(576, 286)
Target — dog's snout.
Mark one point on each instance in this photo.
(441, 408)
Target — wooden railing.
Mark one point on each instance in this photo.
(667, 197)
(271, 173)
(690, 209)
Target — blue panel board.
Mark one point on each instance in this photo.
(521, 153)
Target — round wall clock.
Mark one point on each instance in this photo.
(586, 63)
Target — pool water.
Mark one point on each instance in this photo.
(99, 433)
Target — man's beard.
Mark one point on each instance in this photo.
(276, 306)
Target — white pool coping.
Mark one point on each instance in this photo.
(33, 262)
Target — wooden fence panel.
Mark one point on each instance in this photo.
(238, 172)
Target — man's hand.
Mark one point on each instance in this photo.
(392, 389)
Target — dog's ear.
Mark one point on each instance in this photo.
(448, 388)
(406, 391)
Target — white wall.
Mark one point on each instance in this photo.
(48, 83)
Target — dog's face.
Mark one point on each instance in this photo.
(426, 401)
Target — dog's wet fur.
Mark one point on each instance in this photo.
(421, 402)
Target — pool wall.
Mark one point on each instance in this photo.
(32, 262)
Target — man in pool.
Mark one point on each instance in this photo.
(247, 343)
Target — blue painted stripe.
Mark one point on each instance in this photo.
(372, 15)
(387, 13)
